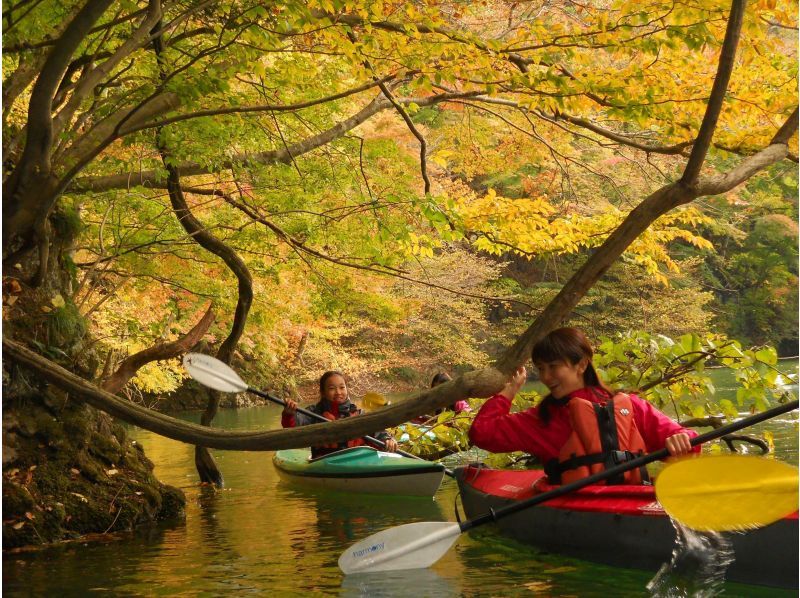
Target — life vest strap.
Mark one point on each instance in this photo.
(554, 468)
(609, 439)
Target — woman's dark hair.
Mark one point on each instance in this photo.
(324, 378)
(570, 345)
(440, 378)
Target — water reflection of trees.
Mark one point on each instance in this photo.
(333, 520)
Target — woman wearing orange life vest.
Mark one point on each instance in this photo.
(334, 403)
(582, 426)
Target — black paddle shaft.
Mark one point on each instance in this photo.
(493, 515)
(319, 417)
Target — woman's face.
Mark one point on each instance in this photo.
(562, 377)
(335, 389)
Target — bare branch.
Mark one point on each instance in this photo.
(717, 98)
(472, 384)
(161, 351)
(150, 178)
(261, 108)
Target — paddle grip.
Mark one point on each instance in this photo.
(317, 416)
(623, 467)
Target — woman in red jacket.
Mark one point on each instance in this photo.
(563, 359)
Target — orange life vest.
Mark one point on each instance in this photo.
(603, 435)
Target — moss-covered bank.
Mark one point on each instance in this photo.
(69, 470)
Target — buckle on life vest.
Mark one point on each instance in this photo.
(622, 456)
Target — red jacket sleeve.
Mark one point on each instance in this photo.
(287, 421)
(496, 430)
(655, 427)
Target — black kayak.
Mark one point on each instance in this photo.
(622, 526)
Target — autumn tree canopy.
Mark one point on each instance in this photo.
(309, 162)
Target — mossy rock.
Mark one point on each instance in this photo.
(75, 473)
(133, 457)
(16, 498)
(105, 447)
(88, 467)
(173, 503)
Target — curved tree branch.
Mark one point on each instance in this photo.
(717, 98)
(131, 365)
(472, 384)
(206, 467)
(150, 178)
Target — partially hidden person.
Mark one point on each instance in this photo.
(461, 406)
(334, 403)
(582, 426)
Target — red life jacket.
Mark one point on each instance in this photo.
(603, 435)
(324, 449)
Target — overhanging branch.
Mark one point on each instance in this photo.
(482, 383)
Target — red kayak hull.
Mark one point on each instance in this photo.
(622, 526)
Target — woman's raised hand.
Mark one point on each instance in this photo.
(512, 387)
(391, 444)
(290, 408)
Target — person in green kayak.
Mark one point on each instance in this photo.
(582, 426)
(334, 403)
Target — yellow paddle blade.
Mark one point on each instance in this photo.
(375, 399)
(727, 492)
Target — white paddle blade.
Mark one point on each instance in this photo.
(411, 546)
(213, 373)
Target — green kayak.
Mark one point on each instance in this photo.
(361, 469)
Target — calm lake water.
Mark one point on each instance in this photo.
(263, 536)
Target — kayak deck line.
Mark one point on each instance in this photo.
(367, 474)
